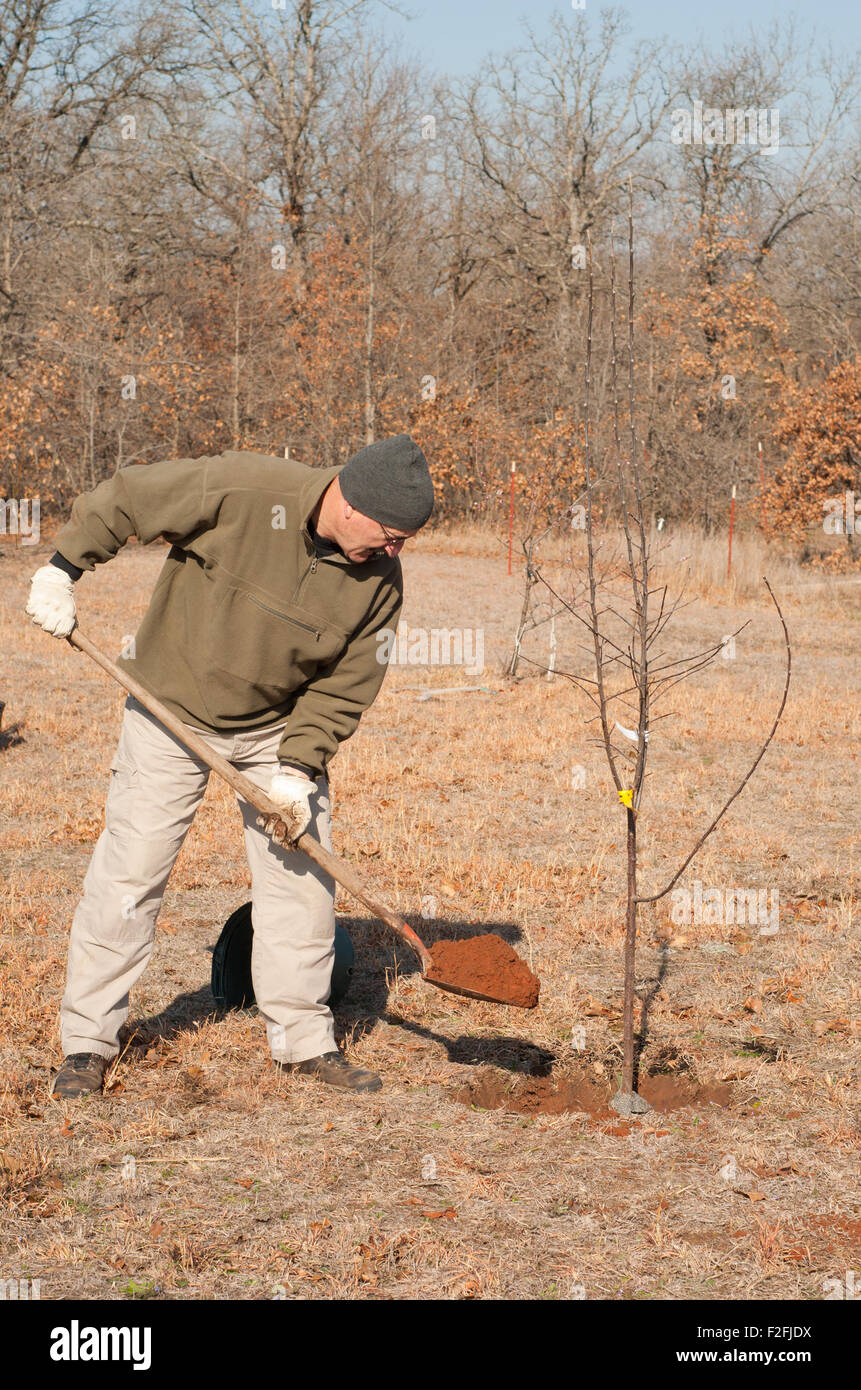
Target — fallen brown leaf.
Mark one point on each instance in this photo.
(799, 1254)
(468, 1289)
(593, 1008)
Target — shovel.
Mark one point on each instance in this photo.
(330, 863)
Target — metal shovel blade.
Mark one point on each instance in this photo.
(473, 993)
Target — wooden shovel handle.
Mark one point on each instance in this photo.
(250, 792)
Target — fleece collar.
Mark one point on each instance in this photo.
(309, 496)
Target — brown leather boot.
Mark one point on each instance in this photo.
(335, 1070)
(81, 1074)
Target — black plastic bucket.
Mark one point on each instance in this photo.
(231, 963)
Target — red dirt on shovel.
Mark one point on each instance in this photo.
(489, 966)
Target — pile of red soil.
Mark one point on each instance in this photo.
(487, 965)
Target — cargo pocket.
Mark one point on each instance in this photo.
(120, 808)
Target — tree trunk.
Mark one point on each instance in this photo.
(369, 346)
(530, 581)
(630, 951)
(235, 372)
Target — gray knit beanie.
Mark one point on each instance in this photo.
(390, 482)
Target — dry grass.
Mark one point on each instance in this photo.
(246, 1185)
(683, 557)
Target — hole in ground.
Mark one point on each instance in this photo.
(575, 1091)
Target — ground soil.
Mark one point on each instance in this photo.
(202, 1173)
(487, 965)
(573, 1092)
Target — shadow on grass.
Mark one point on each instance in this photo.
(181, 1015)
(647, 999)
(380, 957)
(10, 737)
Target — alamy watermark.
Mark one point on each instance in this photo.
(843, 1288)
(729, 1168)
(20, 1289)
(77, 1343)
(421, 646)
(737, 125)
(19, 516)
(727, 906)
(842, 515)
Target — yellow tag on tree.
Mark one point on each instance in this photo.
(627, 798)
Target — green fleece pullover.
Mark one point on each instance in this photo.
(247, 626)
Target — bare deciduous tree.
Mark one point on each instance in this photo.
(626, 615)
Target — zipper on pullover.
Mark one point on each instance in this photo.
(285, 617)
(312, 569)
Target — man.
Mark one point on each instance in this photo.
(261, 633)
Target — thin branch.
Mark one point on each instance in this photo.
(740, 788)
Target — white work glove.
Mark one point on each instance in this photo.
(291, 792)
(51, 604)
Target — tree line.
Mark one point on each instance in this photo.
(226, 224)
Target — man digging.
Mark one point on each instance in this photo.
(261, 633)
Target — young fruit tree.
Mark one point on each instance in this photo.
(536, 609)
(625, 613)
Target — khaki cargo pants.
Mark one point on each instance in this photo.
(156, 786)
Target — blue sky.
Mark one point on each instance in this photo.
(452, 36)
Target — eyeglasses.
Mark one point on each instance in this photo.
(389, 538)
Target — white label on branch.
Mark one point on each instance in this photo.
(630, 733)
